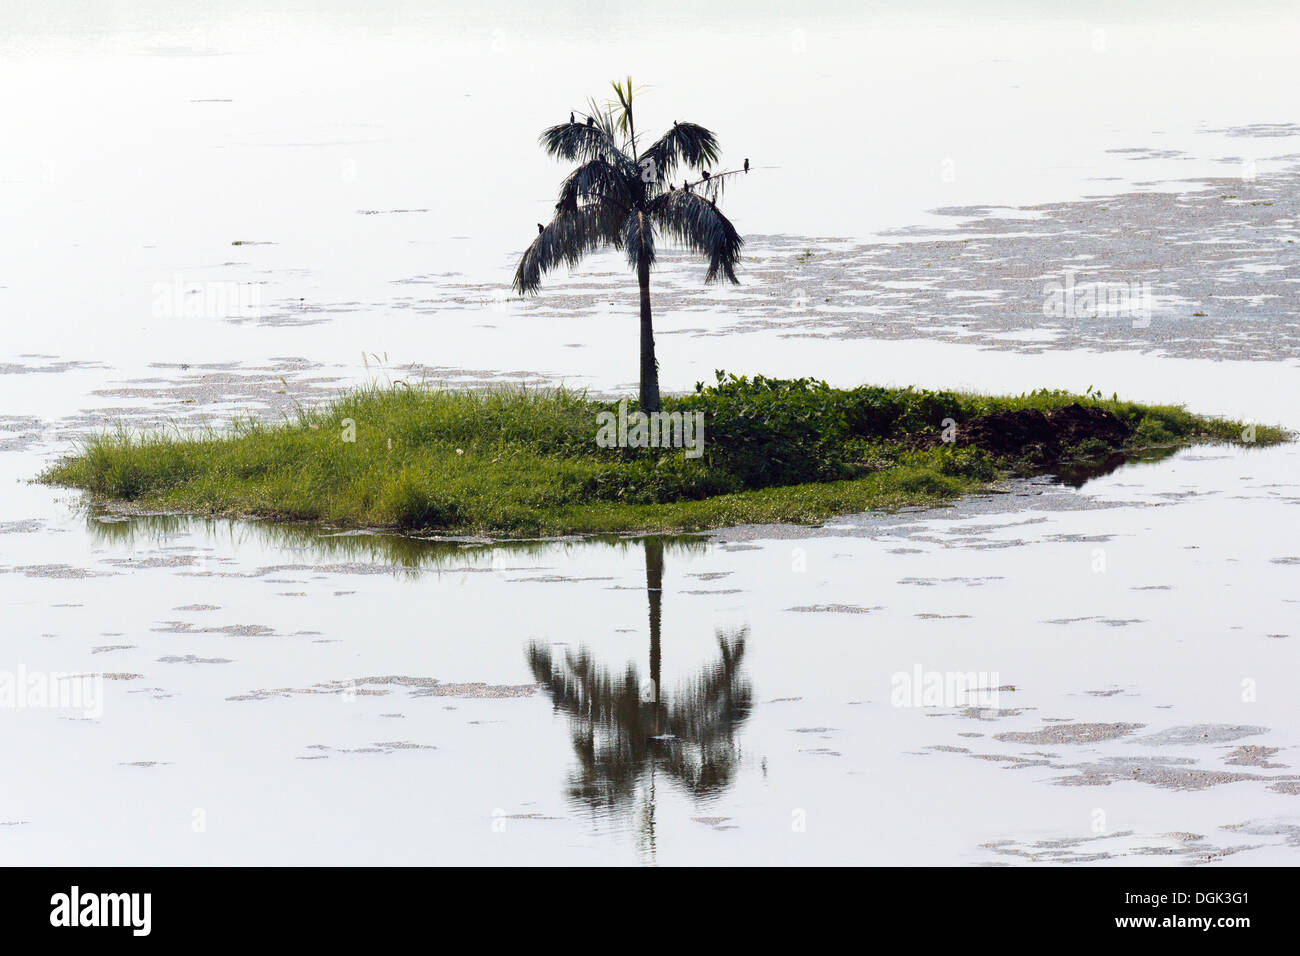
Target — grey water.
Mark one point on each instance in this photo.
(210, 216)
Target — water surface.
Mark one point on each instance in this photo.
(283, 694)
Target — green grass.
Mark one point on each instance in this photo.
(524, 462)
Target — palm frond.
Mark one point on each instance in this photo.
(571, 235)
(711, 188)
(596, 180)
(697, 223)
(606, 121)
(639, 239)
(578, 142)
(621, 106)
(687, 143)
(624, 93)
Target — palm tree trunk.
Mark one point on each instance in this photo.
(654, 587)
(649, 367)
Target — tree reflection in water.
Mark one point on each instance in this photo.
(626, 733)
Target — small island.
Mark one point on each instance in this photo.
(522, 462)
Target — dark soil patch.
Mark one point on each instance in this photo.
(1028, 432)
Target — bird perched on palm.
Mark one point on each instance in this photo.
(620, 196)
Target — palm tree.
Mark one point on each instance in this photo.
(622, 196)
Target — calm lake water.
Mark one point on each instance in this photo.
(220, 215)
